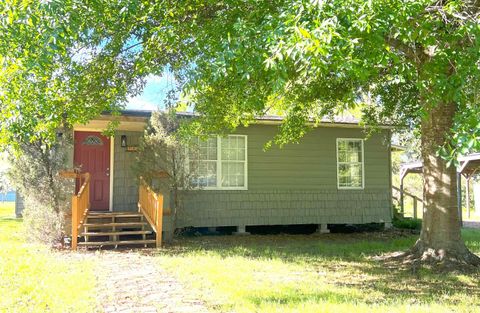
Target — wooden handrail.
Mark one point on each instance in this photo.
(151, 205)
(416, 200)
(80, 207)
(407, 193)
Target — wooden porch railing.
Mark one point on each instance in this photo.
(415, 199)
(151, 205)
(80, 206)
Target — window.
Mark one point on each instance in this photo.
(93, 141)
(220, 162)
(204, 158)
(350, 165)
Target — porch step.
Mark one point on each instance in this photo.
(113, 229)
(117, 233)
(116, 243)
(119, 224)
(113, 214)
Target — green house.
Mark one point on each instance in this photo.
(336, 175)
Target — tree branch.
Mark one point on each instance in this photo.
(415, 54)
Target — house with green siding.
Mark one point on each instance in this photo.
(335, 175)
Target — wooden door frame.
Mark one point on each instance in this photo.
(112, 151)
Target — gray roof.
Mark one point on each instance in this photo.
(469, 165)
(338, 119)
(344, 119)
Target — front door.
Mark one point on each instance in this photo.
(92, 155)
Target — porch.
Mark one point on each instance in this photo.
(97, 229)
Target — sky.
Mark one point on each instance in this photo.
(156, 87)
(153, 94)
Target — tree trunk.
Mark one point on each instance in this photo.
(440, 239)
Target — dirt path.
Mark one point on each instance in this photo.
(132, 282)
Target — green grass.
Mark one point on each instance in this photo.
(36, 279)
(474, 216)
(317, 273)
(283, 273)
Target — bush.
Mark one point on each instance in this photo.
(163, 150)
(34, 170)
(43, 224)
(399, 221)
(407, 223)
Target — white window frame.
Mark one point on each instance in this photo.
(362, 141)
(219, 167)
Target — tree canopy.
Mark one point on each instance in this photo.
(66, 61)
(47, 81)
(413, 63)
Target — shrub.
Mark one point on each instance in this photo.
(162, 149)
(407, 223)
(34, 170)
(399, 221)
(42, 223)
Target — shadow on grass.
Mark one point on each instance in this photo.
(296, 248)
(346, 261)
(293, 296)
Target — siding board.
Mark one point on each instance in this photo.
(293, 185)
(298, 184)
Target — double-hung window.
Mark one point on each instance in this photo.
(350, 163)
(203, 159)
(219, 163)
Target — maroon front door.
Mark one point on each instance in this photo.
(92, 155)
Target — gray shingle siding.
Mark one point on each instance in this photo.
(125, 183)
(274, 207)
(293, 185)
(298, 184)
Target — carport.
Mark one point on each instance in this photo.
(468, 167)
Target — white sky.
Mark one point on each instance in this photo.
(153, 94)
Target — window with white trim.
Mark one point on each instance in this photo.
(203, 158)
(350, 163)
(219, 162)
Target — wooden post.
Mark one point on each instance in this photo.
(415, 207)
(467, 196)
(140, 197)
(88, 191)
(159, 220)
(402, 205)
(459, 198)
(74, 222)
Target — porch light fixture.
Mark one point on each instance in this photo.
(123, 141)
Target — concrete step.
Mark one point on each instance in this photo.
(116, 243)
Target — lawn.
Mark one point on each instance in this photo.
(316, 273)
(282, 273)
(35, 279)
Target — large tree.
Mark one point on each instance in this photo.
(408, 62)
(405, 62)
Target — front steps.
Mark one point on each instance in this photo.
(114, 229)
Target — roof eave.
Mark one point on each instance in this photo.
(325, 124)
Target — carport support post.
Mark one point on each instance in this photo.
(467, 196)
(459, 197)
(402, 206)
